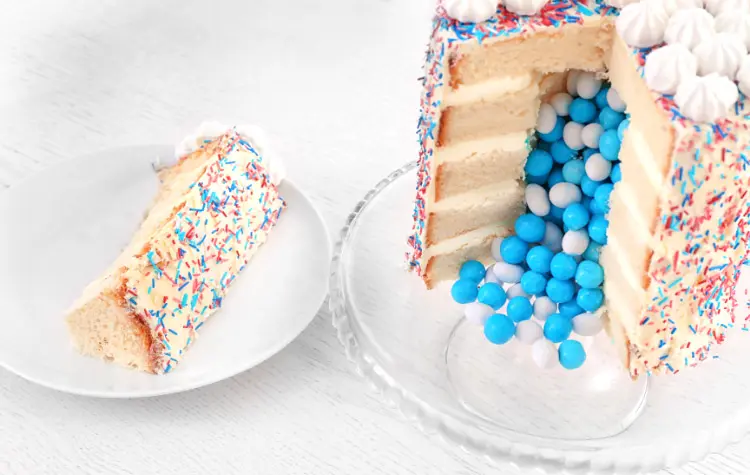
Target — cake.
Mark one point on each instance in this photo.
(215, 207)
(496, 79)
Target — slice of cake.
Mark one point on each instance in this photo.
(214, 210)
(677, 216)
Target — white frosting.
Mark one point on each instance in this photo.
(721, 54)
(717, 7)
(671, 6)
(525, 7)
(706, 99)
(736, 24)
(643, 24)
(620, 3)
(689, 27)
(470, 11)
(668, 66)
(743, 76)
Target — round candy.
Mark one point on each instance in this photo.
(588, 85)
(520, 309)
(572, 135)
(552, 237)
(555, 177)
(575, 242)
(530, 228)
(537, 180)
(591, 134)
(598, 228)
(499, 329)
(587, 324)
(538, 163)
(492, 294)
(589, 186)
(592, 251)
(472, 271)
(589, 275)
(495, 249)
(513, 250)
(546, 119)
(560, 290)
(590, 299)
(609, 145)
(616, 173)
(598, 168)
(533, 283)
(516, 290)
(614, 101)
(464, 291)
(544, 353)
(573, 171)
(561, 153)
(537, 199)
(508, 273)
(601, 98)
(528, 331)
(602, 194)
(575, 217)
(563, 266)
(557, 132)
(622, 128)
(557, 328)
(571, 84)
(610, 119)
(543, 308)
(539, 258)
(477, 313)
(588, 153)
(563, 195)
(570, 309)
(571, 354)
(561, 103)
(490, 276)
(582, 111)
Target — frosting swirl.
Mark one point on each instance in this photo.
(642, 24)
(671, 6)
(689, 27)
(620, 3)
(717, 7)
(706, 99)
(470, 11)
(736, 24)
(667, 67)
(743, 76)
(525, 7)
(721, 54)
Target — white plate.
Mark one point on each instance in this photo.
(62, 228)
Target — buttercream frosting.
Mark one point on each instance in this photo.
(470, 11)
(643, 24)
(735, 23)
(707, 98)
(525, 7)
(721, 54)
(668, 66)
(690, 27)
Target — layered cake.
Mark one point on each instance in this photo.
(215, 208)
(643, 102)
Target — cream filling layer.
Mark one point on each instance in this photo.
(471, 238)
(478, 197)
(513, 142)
(490, 89)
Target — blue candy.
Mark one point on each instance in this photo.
(555, 177)
(499, 329)
(589, 186)
(598, 228)
(542, 145)
(561, 153)
(538, 163)
(602, 194)
(587, 152)
(582, 110)
(513, 250)
(570, 309)
(576, 216)
(539, 258)
(537, 180)
(590, 299)
(616, 174)
(610, 118)
(557, 328)
(601, 98)
(520, 309)
(555, 215)
(609, 145)
(563, 266)
(473, 271)
(492, 294)
(556, 133)
(571, 354)
(592, 252)
(560, 291)
(589, 275)
(530, 228)
(596, 208)
(464, 291)
(573, 171)
(533, 283)
(622, 128)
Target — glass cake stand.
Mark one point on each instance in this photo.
(414, 347)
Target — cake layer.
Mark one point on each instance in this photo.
(493, 88)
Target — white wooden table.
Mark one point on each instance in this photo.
(340, 96)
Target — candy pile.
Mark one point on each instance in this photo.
(547, 282)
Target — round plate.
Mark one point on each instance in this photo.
(63, 227)
(416, 348)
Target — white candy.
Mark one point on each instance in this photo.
(495, 249)
(528, 331)
(544, 353)
(597, 167)
(516, 290)
(614, 100)
(587, 324)
(564, 194)
(546, 120)
(588, 85)
(571, 84)
(561, 103)
(591, 134)
(489, 276)
(477, 313)
(575, 242)
(552, 237)
(543, 308)
(572, 135)
(508, 273)
(537, 200)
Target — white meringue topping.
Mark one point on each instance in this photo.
(689, 27)
(668, 66)
(721, 54)
(717, 7)
(620, 3)
(671, 6)
(706, 99)
(470, 11)
(642, 24)
(743, 76)
(735, 23)
(525, 7)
